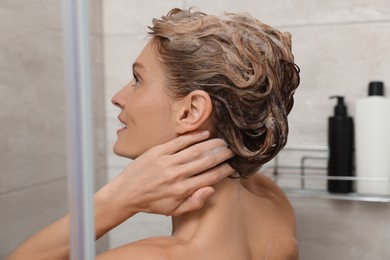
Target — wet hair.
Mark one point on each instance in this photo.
(247, 69)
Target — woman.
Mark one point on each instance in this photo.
(230, 77)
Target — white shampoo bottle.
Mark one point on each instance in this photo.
(372, 140)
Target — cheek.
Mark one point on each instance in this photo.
(159, 126)
(150, 123)
(151, 126)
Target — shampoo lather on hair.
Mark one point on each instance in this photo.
(373, 141)
(340, 141)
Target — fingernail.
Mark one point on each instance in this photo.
(208, 193)
(205, 133)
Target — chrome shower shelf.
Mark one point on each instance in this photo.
(299, 193)
(302, 173)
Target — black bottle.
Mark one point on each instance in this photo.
(340, 141)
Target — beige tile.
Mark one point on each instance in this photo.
(98, 102)
(26, 211)
(33, 133)
(33, 129)
(33, 137)
(45, 14)
(31, 73)
(30, 47)
(95, 13)
(300, 12)
(33, 93)
(133, 16)
(329, 229)
(334, 60)
(123, 17)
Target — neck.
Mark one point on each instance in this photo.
(218, 212)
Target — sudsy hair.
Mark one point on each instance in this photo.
(247, 69)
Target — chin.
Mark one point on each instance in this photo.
(124, 152)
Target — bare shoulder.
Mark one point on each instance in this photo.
(150, 248)
(266, 189)
(262, 186)
(270, 204)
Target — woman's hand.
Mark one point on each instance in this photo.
(169, 179)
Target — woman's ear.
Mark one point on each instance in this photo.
(194, 112)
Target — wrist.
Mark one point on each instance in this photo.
(110, 210)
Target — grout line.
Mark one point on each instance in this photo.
(33, 185)
(347, 23)
(298, 25)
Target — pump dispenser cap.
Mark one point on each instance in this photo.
(375, 88)
(340, 109)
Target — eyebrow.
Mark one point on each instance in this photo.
(138, 65)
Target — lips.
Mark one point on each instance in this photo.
(123, 125)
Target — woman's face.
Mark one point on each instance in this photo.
(146, 108)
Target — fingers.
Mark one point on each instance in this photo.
(183, 142)
(200, 150)
(209, 177)
(180, 173)
(194, 202)
(201, 157)
(201, 185)
(197, 189)
(190, 186)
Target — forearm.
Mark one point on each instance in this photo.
(109, 211)
(50, 243)
(53, 242)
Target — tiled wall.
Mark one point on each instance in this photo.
(342, 230)
(32, 115)
(340, 46)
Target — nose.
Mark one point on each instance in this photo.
(118, 99)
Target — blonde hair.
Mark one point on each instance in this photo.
(245, 66)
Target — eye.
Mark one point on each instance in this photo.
(136, 80)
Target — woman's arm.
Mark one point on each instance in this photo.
(164, 180)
